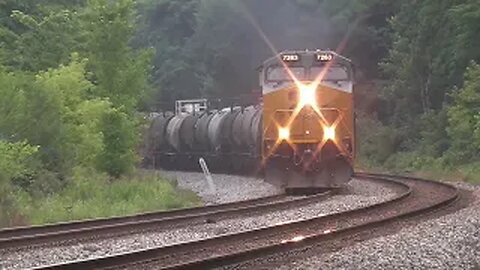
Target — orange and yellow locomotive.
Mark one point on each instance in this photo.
(308, 119)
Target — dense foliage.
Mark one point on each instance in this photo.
(464, 118)
(431, 107)
(70, 83)
(71, 70)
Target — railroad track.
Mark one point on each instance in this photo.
(65, 233)
(418, 196)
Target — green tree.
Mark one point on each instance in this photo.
(118, 155)
(421, 62)
(48, 42)
(31, 113)
(13, 102)
(464, 118)
(53, 110)
(119, 72)
(167, 26)
(363, 31)
(422, 67)
(38, 36)
(466, 18)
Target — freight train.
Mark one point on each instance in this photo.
(300, 135)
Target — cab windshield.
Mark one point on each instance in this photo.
(331, 73)
(280, 73)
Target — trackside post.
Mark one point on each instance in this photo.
(207, 174)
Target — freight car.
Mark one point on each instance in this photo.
(301, 135)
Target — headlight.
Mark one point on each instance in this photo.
(308, 95)
(329, 133)
(283, 133)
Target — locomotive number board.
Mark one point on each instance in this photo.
(291, 57)
(319, 57)
(324, 57)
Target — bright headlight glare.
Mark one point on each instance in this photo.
(329, 133)
(283, 133)
(307, 95)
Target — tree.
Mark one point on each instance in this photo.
(464, 118)
(466, 18)
(118, 156)
(38, 36)
(421, 59)
(119, 72)
(48, 42)
(363, 31)
(167, 26)
(54, 110)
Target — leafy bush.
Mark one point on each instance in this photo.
(15, 161)
(434, 140)
(55, 111)
(15, 158)
(376, 142)
(118, 155)
(471, 172)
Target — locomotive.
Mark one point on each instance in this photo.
(300, 135)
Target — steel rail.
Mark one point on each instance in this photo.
(235, 248)
(64, 226)
(68, 232)
(315, 238)
(17, 234)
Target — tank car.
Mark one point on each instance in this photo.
(308, 119)
(227, 138)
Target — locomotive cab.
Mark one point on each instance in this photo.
(308, 120)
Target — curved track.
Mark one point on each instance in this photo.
(419, 196)
(64, 233)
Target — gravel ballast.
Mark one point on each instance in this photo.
(227, 188)
(362, 194)
(448, 242)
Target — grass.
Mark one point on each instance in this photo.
(92, 195)
(430, 169)
(466, 173)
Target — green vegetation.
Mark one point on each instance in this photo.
(14, 162)
(429, 114)
(95, 195)
(70, 87)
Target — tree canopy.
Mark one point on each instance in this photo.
(67, 67)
